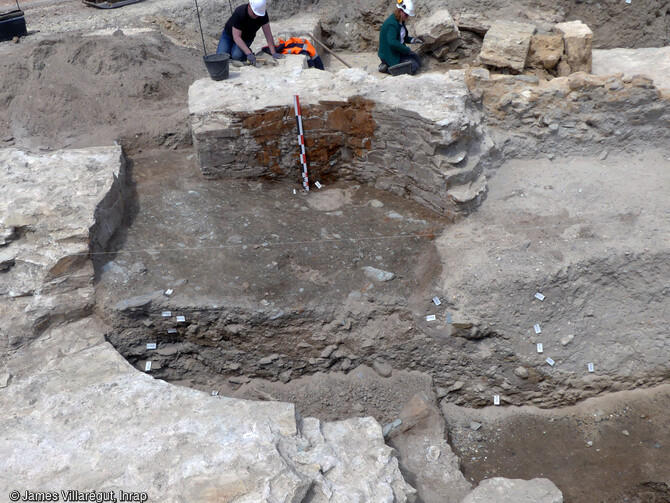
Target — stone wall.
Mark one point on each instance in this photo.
(419, 137)
(578, 114)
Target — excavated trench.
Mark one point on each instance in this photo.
(271, 286)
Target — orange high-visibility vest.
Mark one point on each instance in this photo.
(295, 45)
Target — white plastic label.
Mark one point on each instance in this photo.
(181, 318)
(540, 349)
(318, 185)
(215, 392)
(294, 192)
(590, 367)
(436, 301)
(550, 361)
(430, 317)
(496, 399)
(147, 366)
(172, 330)
(168, 292)
(537, 328)
(167, 314)
(151, 345)
(539, 296)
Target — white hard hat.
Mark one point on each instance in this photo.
(407, 6)
(258, 6)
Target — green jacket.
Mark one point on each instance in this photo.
(390, 45)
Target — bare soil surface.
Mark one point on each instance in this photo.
(611, 449)
(78, 90)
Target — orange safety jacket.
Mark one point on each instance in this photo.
(295, 45)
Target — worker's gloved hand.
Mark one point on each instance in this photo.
(251, 58)
(276, 55)
(416, 40)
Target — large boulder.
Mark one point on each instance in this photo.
(506, 45)
(501, 490)
(437, 30)
(578, 39)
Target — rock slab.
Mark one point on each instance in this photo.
(437, 29)
(500, 490)
(506, 44)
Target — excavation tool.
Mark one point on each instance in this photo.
(217, 64)
(12, 24)
(301, 142)
(321, 44)
(109, 4)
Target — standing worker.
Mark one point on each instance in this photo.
(240, 31)
(394, 35)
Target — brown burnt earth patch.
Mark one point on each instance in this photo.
(333, 130)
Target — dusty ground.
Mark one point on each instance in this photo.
(615, 447)
(253, 249)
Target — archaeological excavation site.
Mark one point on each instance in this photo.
(283, 283)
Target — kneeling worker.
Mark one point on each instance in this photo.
(240, 31)
(394, 35)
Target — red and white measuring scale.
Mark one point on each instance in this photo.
(301, 142)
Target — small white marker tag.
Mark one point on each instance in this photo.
(550, 361)
(496, 399)
(539, 296)
(537, 328)
(590, 367)
(167, 314)
(294, 192)
(172, 330)
(318, 185)
(540, 349)
(430, 317)
(168, 292)
(151, 345)
(215, 392)
(437, 301)
(181, 318)
(147, 366)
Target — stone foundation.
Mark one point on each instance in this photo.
(419, 137)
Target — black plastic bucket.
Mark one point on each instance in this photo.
(217, 65)
(12, 24)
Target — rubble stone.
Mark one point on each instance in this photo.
(506, 44)
(578, 40)
(436, 30)
(545, 51)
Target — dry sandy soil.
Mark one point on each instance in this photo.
(253, 250)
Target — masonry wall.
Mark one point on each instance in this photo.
(355, 139)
